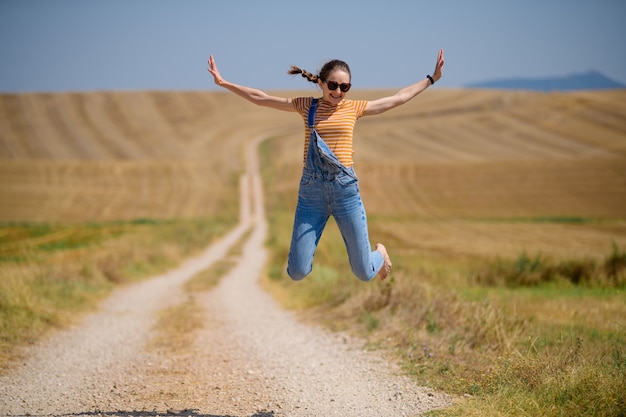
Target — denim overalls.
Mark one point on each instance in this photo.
(328, 187)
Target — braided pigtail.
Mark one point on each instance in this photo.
(305, 74)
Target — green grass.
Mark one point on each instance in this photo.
(573, 379)
(51, 273)
(528, 270)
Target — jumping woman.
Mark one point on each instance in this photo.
(329, 185)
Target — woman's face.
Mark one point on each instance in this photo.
(338, 79)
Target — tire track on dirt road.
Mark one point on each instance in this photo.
(251, 359)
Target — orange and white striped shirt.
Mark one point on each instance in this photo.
(335, 124)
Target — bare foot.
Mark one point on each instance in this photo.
(384, 271)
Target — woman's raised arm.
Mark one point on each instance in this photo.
(253, 95)
(407, 93)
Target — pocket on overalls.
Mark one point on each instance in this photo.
(346, 179)
(306, 179)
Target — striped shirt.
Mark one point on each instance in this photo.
(335, 124)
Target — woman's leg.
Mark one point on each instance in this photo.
(350, 216)
(309, 223)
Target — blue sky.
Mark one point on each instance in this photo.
(87, 45)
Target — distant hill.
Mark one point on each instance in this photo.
(592, 80)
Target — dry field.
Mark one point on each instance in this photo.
(453, 176)
(454, 173)
(110, 156)
(450, 154)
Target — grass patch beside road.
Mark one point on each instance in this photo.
(554, 348)
(50, 273)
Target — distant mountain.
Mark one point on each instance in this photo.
(592, 80)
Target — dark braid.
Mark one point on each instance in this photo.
(305, 74)
(328, 67)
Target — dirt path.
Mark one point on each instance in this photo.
(251, 359)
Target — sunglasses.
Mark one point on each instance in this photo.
(344, 87)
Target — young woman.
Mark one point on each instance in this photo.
(329, 185)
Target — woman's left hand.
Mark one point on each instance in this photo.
(437, 74)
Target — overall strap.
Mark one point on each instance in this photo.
(312, 110)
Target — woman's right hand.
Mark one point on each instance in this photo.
(213, 70)
(253, 95)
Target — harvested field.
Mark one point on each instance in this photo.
(457, 153)
(111, 156)
(455, 179)
(449, 155)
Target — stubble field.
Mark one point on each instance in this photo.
(457, 183)
(449, 154)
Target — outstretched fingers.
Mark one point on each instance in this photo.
(437, 74)
(212, 66)
(213, 70)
